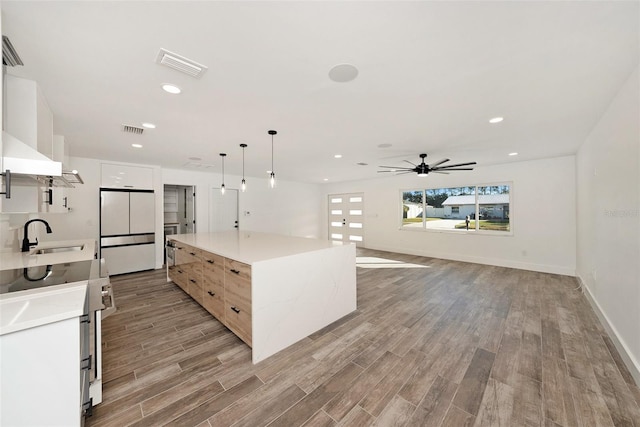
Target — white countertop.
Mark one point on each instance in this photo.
(251, 246)
(37, 307)
(13, 260)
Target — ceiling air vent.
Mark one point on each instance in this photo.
(9, 55)
(132, 129)
(180, 63)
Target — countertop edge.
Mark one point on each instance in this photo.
(57, 303)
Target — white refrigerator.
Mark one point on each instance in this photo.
(127, 230)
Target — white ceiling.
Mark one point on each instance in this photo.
(431, 75)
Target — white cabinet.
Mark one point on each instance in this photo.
(122, 176)
(40, 373)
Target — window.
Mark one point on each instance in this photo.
(413, 208)
(458, 209)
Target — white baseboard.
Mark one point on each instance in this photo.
(628, 359)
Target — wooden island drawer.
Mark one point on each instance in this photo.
(212, 261)
(238, 319)
(237, 269)
(196, 286)
(214, 297)
(179, 276)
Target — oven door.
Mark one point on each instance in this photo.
(171, 255)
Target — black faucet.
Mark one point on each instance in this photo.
(26, 244)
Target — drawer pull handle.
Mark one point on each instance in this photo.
(192, 281)
(210, 261)
(211, 293)
(235, 309)
(235, 271)
(192, 253)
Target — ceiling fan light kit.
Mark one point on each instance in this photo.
(424, 169)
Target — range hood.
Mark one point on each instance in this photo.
(22, 159)
(28, 167)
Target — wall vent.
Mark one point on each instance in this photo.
(132, 129)
(9, 55)
(180, 63)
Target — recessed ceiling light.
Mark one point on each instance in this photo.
(343, 73)
(136, 145)
(496, 120)
(149, 125)
(513, 154)
(326, 179)
(362, 164)
(384, 145)
(268, 171)
(338, 156)
(171, 88)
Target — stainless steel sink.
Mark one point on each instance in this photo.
(58, 249)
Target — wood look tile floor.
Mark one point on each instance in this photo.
(451, 344)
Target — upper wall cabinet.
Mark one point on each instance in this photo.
(121, 176)
(27, 115)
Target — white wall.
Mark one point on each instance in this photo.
(542, 215)
(291, 208)
(608, 201)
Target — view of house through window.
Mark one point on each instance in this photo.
(470, 208)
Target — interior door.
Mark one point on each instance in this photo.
(114, 213)
(346, 218)
(223, 210)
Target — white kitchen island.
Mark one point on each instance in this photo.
(270, 290)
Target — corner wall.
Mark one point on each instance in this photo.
(542, 214)
(608, 240)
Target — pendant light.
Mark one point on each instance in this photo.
(272, 175)
(223, 155)
(243, 186)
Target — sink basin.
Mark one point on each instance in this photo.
(58, 249)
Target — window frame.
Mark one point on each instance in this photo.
(477, 230)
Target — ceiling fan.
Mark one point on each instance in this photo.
(423, 169)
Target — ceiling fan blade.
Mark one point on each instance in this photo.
(396, 167)
(451, 169)
(385, 171)
(414, 165)
(446, 173)
(439, 162)
(403, 173)
(458, 164)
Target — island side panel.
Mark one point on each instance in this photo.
(295, 296)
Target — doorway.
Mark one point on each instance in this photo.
(346, 218)
(223, 209)
(179, 209)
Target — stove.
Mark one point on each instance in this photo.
(23, 279)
